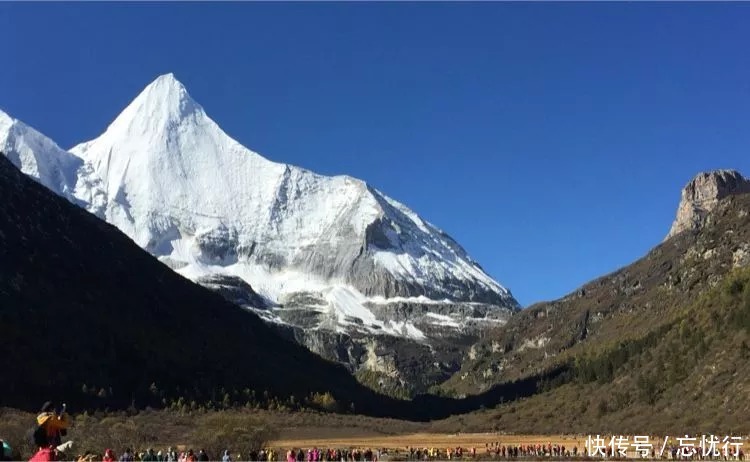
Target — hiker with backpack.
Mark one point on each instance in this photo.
(52, 425)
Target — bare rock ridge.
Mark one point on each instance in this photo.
(701, 195)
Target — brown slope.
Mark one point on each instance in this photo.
(689, 376)
(626, 304)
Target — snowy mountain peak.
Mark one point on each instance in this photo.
(166, 95)
(38, 156)
(336, 248)
(11, 127)
(157, 111)
(164, 156)
(5, 119)
(169, 80)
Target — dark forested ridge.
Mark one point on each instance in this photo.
(91, 318)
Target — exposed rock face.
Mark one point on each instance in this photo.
(234, 289)
(402, 365)
(701, 195)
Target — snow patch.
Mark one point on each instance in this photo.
(443, 320)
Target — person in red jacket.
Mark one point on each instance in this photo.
(44, 455)
(109, 456)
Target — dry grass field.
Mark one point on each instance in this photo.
(242, 431)
(420, 440)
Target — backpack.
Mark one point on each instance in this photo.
(39, 436)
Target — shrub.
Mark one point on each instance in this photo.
(234, 431)
(323, 401)
(15, 429)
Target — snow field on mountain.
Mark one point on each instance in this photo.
(165, 174)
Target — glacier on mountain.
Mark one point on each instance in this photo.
(187, 192)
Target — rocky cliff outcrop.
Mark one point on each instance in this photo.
(702, 194)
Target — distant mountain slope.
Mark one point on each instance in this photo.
(657, 347)
(82, 306)
(688, 374)
(635, 305)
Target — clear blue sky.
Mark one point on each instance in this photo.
(551, 140)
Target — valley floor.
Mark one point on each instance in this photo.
(328, 438)
(244, 432)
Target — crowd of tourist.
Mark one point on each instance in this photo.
(498, 450)
(263, 455)
(52, 425)
(495, 451)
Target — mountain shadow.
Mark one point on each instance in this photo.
(91, 318)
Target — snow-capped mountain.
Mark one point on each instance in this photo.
(39, 157)
(184, 190)
(42, 159)
(328, 254)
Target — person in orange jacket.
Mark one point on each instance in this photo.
(54, 423)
